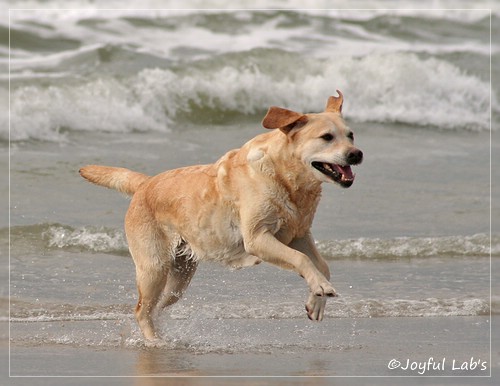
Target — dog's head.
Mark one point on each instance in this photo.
(323, 142)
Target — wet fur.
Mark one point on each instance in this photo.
(254, 204)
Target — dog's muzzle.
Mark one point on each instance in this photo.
(341, 174)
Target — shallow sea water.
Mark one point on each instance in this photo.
(409, 244)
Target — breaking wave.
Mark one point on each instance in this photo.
(113, 241)
(338, 308)
(213, 90)
(137, 70)
(408, 247)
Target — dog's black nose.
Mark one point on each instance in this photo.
(354, 157)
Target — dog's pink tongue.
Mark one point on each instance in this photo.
(346, 172)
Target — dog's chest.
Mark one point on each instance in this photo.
(292, 214)
(224, 246)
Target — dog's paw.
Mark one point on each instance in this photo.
(324, 289)
(315, 307)
(155, 343)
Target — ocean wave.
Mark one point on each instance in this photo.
(338, 308)
(113, 241)
(409, 247)
(459, 10)
(46, 237)
(395, 87)
(123, 70)
(86, 238)
(343, 308)
(222, 327)
(24, 311)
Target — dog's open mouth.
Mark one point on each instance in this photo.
(338, 173)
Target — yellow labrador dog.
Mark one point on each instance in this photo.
(255, 204)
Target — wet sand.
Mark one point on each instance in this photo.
(437, 347)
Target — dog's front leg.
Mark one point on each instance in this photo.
(266, 246)
(307, 246)
(315, 306)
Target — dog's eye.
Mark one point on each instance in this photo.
(327, 137)
(351, 136)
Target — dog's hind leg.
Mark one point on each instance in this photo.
(179, 276)
(150, 282)
(149, 249)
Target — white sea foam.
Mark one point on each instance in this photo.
(338, 308)
(229, 327)
(77, 9)
(396, 87)
(475, 245)
(113, 241)
(92, 239)
(101, 105)
(125, 69)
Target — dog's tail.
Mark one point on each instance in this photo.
(121, 179)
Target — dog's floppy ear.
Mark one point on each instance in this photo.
(334, 104)
(283, 119)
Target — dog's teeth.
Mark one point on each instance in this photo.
(345, 179)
